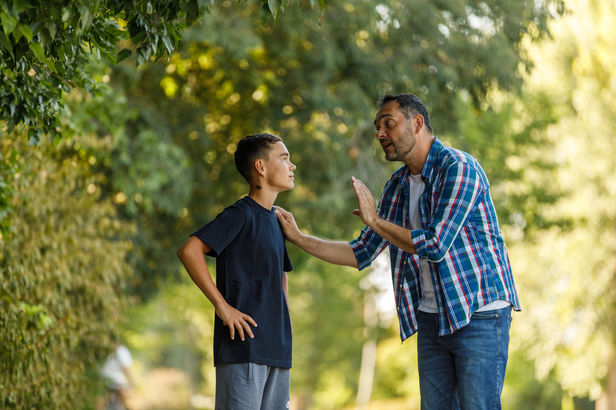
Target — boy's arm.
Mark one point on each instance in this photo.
(337, 252)
(192, 256)
(285, 286)
(285, 289)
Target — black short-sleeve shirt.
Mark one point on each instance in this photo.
(251, 255)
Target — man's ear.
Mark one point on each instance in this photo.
(260, 167)
(420, 122)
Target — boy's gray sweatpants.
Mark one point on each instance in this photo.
(251, 386)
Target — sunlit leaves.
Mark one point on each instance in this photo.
(57, 38)
(572, 317)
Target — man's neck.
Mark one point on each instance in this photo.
(416, 159)
(263, 196)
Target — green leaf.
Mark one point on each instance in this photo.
(122, 55)
(4, 42)
(139, 37)
(52, 30)
(26, 31)
(168, 45)
(8, 23)
(274, 6)
(38, 51)
(66, 14)
(192, 11)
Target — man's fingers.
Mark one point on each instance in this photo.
(282, 214)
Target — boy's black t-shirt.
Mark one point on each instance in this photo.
(251, 255)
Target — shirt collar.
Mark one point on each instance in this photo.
(403, 174)
(428, 169)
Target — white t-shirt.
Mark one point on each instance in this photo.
(427, 302)
(113, 367)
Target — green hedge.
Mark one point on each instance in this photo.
(62, 268)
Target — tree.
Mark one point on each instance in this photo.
(568, 270)
(45, 46)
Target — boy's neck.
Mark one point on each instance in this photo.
(263, 197)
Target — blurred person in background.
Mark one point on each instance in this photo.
(118, 377)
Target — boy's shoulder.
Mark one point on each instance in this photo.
(241, 207)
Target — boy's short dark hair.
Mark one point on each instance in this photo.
(410, 105)
(251, 148)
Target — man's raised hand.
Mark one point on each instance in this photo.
(365, 202)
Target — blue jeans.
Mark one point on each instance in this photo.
(464, 370)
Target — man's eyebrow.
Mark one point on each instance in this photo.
(381, 116)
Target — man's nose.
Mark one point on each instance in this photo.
(380, 134)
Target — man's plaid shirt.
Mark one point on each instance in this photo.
(460, 237)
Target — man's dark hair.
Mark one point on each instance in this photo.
(409, 105)
(251, 148)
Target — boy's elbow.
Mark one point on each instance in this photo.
(182, 250)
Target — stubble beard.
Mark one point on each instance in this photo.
(396, 154)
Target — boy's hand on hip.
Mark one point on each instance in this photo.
(236, 320)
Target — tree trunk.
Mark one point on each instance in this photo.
(608, 400)
(368, 353)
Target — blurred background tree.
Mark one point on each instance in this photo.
(567, 273)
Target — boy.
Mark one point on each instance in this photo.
(250, 295)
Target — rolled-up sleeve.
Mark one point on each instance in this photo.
(460, 189)
(367, 246)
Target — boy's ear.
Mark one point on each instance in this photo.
(260, 167)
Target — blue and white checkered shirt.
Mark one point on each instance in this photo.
(460, 237)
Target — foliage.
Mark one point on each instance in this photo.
(567, 274)
(45, 46)
(505, 137)
(62, 273)
(141, 169)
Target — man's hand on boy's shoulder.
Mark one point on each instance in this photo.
(236, 320)
(288, 224)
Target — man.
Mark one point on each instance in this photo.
(250, 294)
(450, 270)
